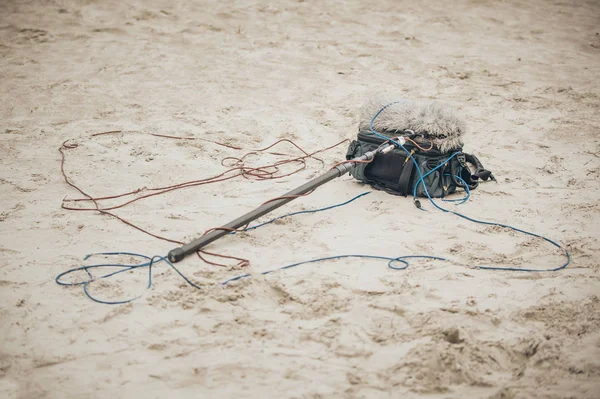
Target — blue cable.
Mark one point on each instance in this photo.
(151, 261)
(302, 212)
(391, 260)
(421, 180)
(397, 143)
(124, 268)
(460, 201)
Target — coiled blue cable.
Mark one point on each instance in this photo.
(467, 193)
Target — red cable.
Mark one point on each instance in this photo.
(265, 172)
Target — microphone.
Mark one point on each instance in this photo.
(431, 119)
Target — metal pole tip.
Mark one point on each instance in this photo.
(175, 255)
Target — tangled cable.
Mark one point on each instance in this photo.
(417, 202)
(151, 261)
(237, 169)
(266, 172)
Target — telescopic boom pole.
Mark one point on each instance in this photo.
(177, 254)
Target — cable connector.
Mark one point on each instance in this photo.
(387, 149)
(412, 152)
(400, 140)
(417, 203)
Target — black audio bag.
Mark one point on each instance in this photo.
(395, 172)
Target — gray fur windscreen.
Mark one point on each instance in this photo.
(440, 121)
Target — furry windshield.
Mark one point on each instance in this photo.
(438, 120)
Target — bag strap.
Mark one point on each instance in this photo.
(481, 172)
(405, 176)
(460, 173)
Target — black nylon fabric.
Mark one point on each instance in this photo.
(394, 173)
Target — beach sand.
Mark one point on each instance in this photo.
(524, 75)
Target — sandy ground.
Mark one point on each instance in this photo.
(524, 76)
